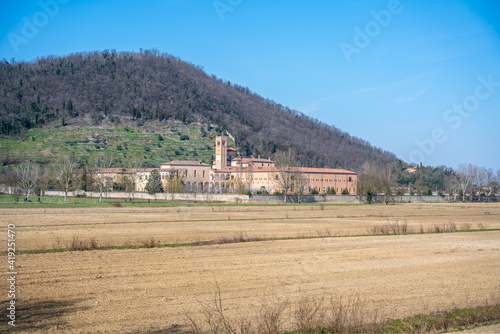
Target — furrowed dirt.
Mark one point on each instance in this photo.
(141, 290)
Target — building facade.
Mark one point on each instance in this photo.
(230, 173)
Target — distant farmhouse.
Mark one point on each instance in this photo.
(231, 173)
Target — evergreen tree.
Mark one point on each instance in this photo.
(154, 184)
(83, 180)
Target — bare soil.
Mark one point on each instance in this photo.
(147, 290)
(50, 228)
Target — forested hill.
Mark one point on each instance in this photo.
(154, 86)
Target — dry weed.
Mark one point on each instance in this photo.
(150, 243)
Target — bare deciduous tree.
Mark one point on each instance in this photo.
(374, 179)
(489, 180)
(99, 163)
(65, 169)
(28, 177)
(299, 183)
(249, 176)
(480, 180)
(11, 179)
(453, 186)
(285, 160)
(496, 183)
(133, 171)
(173, 182)
(465, 177)
(237, 183)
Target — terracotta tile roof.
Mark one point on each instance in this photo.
(185, 163)
(229, 169)
(113, 170)
(146, 169)
(246, 160)
(326, 170)
(260, 160)
(309, 170)
(124, 170)
(232, 149)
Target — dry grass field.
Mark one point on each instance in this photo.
(331, 254)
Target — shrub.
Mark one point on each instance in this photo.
(80, 193)
(81, 245)
(369, 196)
(150, 243)
(262, 191)
(97, 118)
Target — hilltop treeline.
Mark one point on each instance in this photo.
(153, 86)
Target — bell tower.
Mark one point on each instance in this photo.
(220, 152)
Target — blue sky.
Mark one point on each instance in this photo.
(418, 78)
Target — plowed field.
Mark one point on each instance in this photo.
(153, 289)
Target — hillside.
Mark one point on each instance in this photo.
(119, 88)
(151, 145)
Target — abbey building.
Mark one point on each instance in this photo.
(230, 173)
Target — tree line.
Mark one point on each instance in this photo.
(467, 182)
(69, 173)
(66, 173)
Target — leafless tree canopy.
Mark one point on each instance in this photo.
(466, 174)
(98, 163)
(133, 175)
(154, 86)
(28, 176)
(66, 168)
(375, 179)
(289, 176)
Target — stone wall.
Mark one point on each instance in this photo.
(226, 198)
(304, 199)
(200, 197)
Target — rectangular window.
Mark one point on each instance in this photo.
(195, 173)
